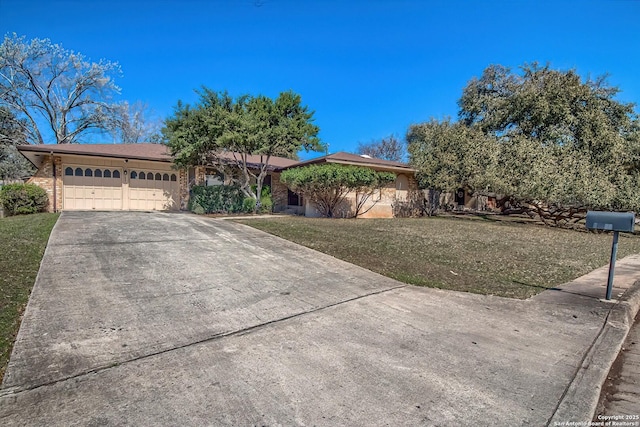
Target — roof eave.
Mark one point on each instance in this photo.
(43, 149)
(398, 169)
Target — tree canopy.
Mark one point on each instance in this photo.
(326, 186)
(449, 155)
(541, 137)
(222, 131)
(53, 89)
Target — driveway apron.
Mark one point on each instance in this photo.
(172, 319)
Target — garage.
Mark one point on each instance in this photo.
(108, 177)
(97, 188)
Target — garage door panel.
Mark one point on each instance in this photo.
(96, 189)
(153, 192)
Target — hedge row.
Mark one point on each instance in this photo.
(225, 199)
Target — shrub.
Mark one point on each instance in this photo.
(266, 203)
(20, 199)
(326, 186)
(248, 204)
(216, 199)
(226, 199)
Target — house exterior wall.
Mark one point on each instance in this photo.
(472, 202)
(379, 205)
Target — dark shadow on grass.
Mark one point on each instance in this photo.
(536, 286)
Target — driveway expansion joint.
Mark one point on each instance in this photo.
(16, 390)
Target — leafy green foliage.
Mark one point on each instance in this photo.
(226, 199)
(216, 199)
(223, 132)
(20, 199)
(327, 185)
(449, 155)
(266, 203)
(544, 139)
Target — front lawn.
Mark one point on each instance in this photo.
(22, 243)
(482, 256)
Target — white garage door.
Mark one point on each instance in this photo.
(153, 190)
(87, 188)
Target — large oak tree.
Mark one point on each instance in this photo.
(551, 142)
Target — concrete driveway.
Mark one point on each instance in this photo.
(173, 319)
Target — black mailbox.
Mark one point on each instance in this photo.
(614, 221)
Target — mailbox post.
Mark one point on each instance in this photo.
(616, 222)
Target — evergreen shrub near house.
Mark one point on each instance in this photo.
(22, 199)
(327, 185)
(266, 202)
(226, 199)
(216, 199)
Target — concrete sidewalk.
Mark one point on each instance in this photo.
(580, 401)
(161, 319)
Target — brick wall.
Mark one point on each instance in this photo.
(200, 175)
(183, 177)
(44, 178)
(279, 193)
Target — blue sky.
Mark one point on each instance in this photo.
(367, 68)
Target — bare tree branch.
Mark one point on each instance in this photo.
(55, 88)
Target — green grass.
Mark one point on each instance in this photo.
(22, 243)
(482, 256)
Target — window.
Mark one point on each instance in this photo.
(149, 175)
(214, 179)
(173, 177)
(78, 172)
(68, 172)
(293, 199)
(134, 175)
(107, 173)
(98, 173)
(116, 174)
(142, 175)
(165, 177)
(158, 177)
(402, 182)
(88, 172)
